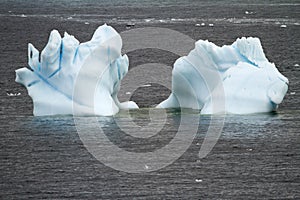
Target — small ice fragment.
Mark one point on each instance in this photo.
(197, 25)
(146, 85)
(283, 26)
(247, 12)
(210, 24)
(128, 93)
(10, 94)
(146, 167)
(148, 20)
(23, 15)
(9, 11)
(296, 65)
(202, 24)
(86, 23)
(198, 180)
(70, 18)
(130, 24)
(198, 144)
(292, 93)
(162, 21)
(249, 149)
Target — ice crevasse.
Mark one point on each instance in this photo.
(85, 77)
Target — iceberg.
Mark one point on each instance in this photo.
(68, 75)
(235, 79)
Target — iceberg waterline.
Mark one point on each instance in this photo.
(68, 76)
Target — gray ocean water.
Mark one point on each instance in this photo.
(256, 156)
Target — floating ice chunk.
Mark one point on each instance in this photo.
(248, 12)
(149, 19)
(211, 25)
(146, 85)
(64, 62)
(10, 94)
(202, 24)
(230, 79)
(130, 24)
(283, 26)
(296, 65)
(197, 24)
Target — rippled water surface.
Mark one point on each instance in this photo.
(255, 156)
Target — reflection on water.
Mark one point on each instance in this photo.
(125, 128)
(46, 154)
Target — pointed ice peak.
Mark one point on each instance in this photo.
(251, 49)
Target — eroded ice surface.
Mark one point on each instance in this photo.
(69, 75)
(232, 79)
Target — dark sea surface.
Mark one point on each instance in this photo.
(256, 157)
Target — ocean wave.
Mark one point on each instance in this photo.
(95, 18)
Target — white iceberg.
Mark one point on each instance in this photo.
(84, 79)
(235, 79)
(68, 75)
